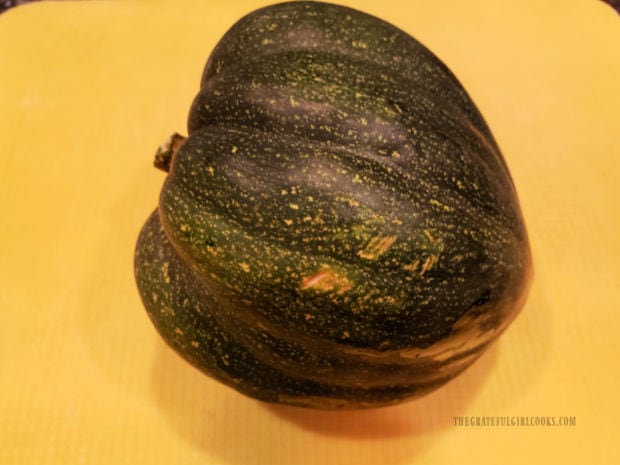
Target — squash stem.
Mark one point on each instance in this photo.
(165, 152)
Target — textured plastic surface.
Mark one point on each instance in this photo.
(87, 92)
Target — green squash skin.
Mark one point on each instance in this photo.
(193, 323)
(339, 229)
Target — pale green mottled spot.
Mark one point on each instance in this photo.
(167, 311)
(437, 203)
(165, 272)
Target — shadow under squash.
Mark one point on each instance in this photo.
(222, 423)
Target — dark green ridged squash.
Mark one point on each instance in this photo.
(339, 229)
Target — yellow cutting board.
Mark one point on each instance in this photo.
(88, 90)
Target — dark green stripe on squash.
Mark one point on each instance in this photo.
(339, 225)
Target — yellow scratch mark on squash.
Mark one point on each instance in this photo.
(412, 266)
(245, 267)
(428, 263)
(376, 247)
(430, 237)
(326, 280)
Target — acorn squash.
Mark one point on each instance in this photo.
(339, 228)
